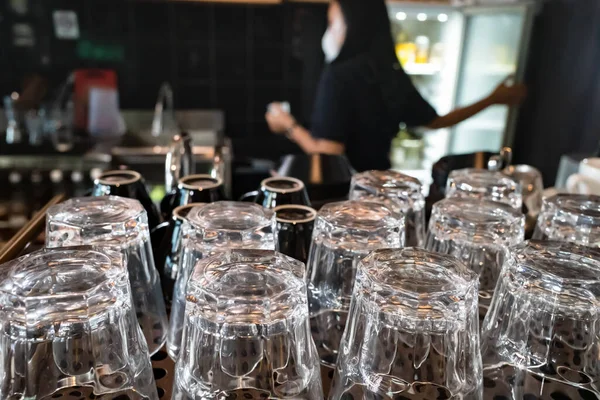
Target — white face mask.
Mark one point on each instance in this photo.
(330, 46)
(331, 40)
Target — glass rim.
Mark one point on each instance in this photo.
(216, 182)
(264, 216)
(483, 176)
(448, 267)
(311, 217)
(124, 209)
(476, 216)
(571, 204)
(330, 213)
(561, 275)
(528, 176)
(134, 177)
(543, 257)
(44, 259)
(264, 184)
(180, 213)
(396, 180)
(522, 169)
(209, 273)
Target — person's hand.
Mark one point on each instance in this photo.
(509, 95)
(278, 119)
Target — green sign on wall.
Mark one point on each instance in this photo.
(88, 49)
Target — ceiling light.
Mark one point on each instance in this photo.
(400, 16)
(422, 17)
(443, 17)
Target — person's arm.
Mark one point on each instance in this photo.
(310, 145)
(504, 94)
(281, 122)
(460, 114)
(331, 116)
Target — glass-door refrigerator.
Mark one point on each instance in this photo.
(457, 55)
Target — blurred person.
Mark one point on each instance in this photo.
(364, 94)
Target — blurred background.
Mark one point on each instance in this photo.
(81, 82)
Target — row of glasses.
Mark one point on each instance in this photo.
(539, 339)
(239, 323)
(412, 332)
(246, 330)
(120, 224)
(479, 233)
(82, 317)
(403, 386)
(207, 231)
(344, 233)
(81, 221)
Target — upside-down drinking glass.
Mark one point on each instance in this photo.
(246, 331)
(129, 184)
(344, 233)
(169, 253)
(412, 331)
(119, 223)
(211, 229)
(399, 192)
(282, 190)
(199, 188)
(484, 185)
(570, 218)
(294, 230)
(540, 338)
(479, 233)
(69, 328)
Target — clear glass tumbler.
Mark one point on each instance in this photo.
(399, 192)
(570, 218)
(484, 185)
(479, 233)
(413, 331)
(344, 233)
(119, 223)
(246, 331)
(68, 326)
(211, 229)
(541, 337)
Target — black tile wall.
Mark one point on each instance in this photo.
(233, 57)
(194, 23)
